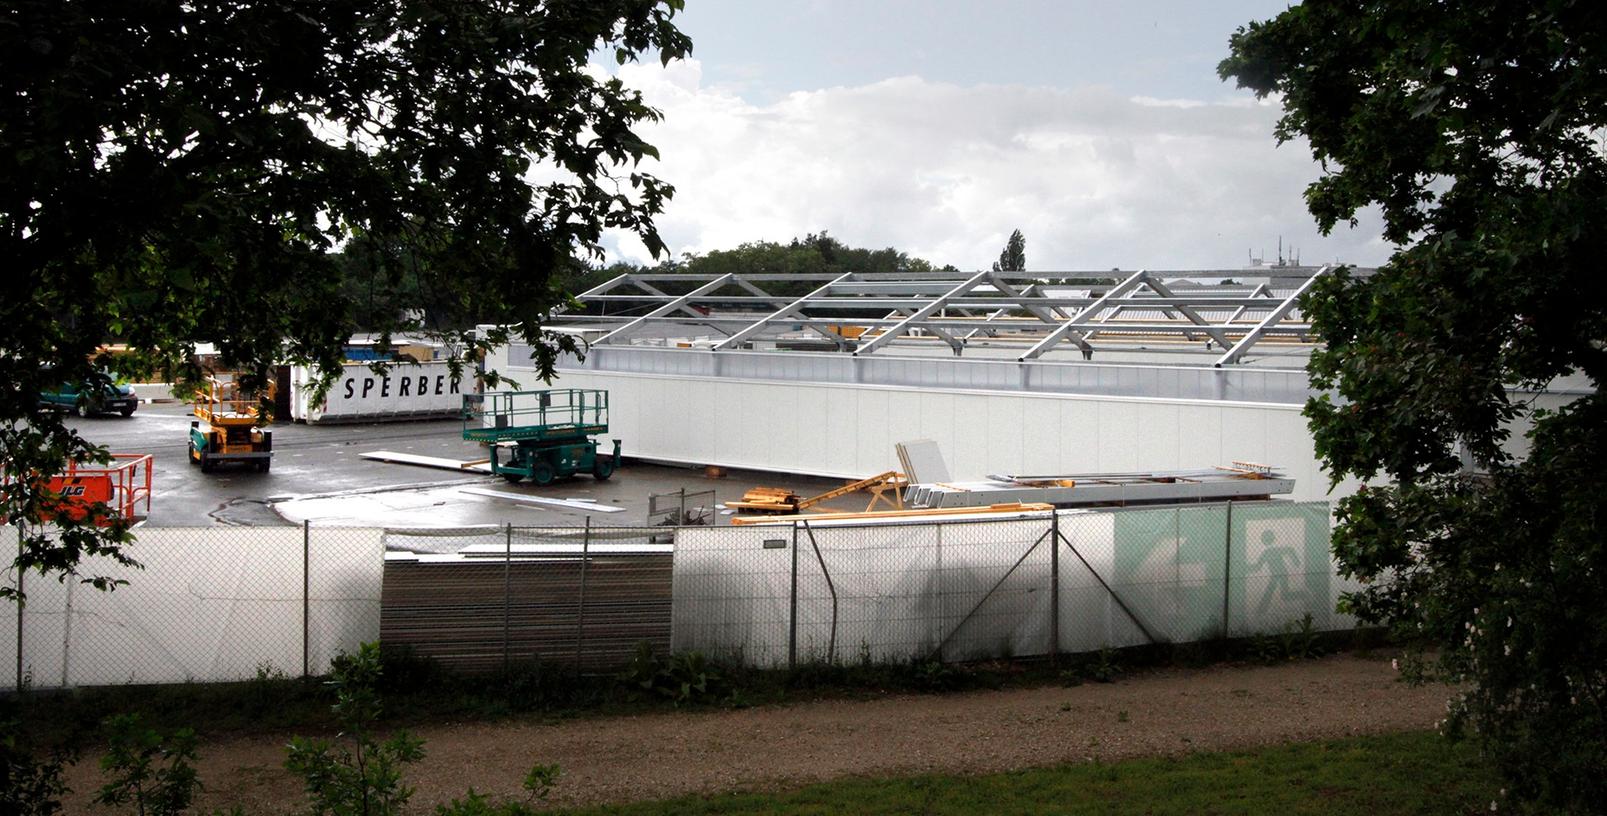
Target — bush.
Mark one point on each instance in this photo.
(683, 678)
(151, 772)
(365, 778)
(30, 785)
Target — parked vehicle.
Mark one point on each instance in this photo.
(100, 394)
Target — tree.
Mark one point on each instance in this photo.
(1476, 128)
(1014, 256)
(814, 254)
(176, 173)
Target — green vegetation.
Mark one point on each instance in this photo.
(1372, 776)
(813, 254)
(183, 173)
(30, 780)
(1476, 129)
(151, 775)
(359, 774)
(419, 692)
(1013, 258)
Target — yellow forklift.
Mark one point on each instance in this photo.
(228, 426)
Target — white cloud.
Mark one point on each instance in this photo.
(1092, 178)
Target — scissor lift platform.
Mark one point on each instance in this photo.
(545, 435)
(228, 426)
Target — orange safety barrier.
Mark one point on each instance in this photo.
(122, 486)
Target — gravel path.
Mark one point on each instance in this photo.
(653, 756)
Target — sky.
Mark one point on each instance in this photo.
(1098, 129)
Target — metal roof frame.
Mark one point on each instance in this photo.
(864, 314)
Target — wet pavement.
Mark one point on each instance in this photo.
(318, 475)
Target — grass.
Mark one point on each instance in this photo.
(1411, 773)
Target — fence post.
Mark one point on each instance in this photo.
(1227, 568)
(507, 591)
(792, 614)
(1054, 587)
(67, 637)
(306, 597)
(942, 597)
(580, 613)
(22, 601)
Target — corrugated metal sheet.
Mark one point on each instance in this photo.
(477, 615)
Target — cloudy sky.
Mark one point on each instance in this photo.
(1099, 129)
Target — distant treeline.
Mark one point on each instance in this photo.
(374, 287)
(812, 254)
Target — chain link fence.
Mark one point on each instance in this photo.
(206, 604)
(583, 597)
(225, 604)
(1068, 581)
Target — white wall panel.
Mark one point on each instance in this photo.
(966, 449)
(1158, 436)
(1040, 430)
(1244, 431)
(836, 447)
(848, 431)
(209, 605)
(1077, 447)
(1117, 426)
(936, 416)
(1007, 430)
(904, 422)
(1200, 435)
(873, 442)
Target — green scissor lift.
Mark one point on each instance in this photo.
(546, 435)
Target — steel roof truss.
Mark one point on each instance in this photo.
(921, 313)
(1234, 354)
(678, 304)
(1188, 312)
(783, 313)
(1067, 330)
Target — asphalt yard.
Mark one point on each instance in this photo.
(318, 475)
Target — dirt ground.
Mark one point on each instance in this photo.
(619, 759)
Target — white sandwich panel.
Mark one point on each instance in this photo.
(848, 431)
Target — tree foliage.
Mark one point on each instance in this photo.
(1014, 256)
(815, 253)
(1477, 130)
(183, 173)
(361, 776)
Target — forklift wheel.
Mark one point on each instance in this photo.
(602, 469)
(195, 458)
(206, 463)
(513, 478)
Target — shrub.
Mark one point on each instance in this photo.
(151, 772)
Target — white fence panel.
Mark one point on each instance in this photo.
(209, 605)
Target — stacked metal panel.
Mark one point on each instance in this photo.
(1100, 489)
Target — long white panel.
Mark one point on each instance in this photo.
(848, 431)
